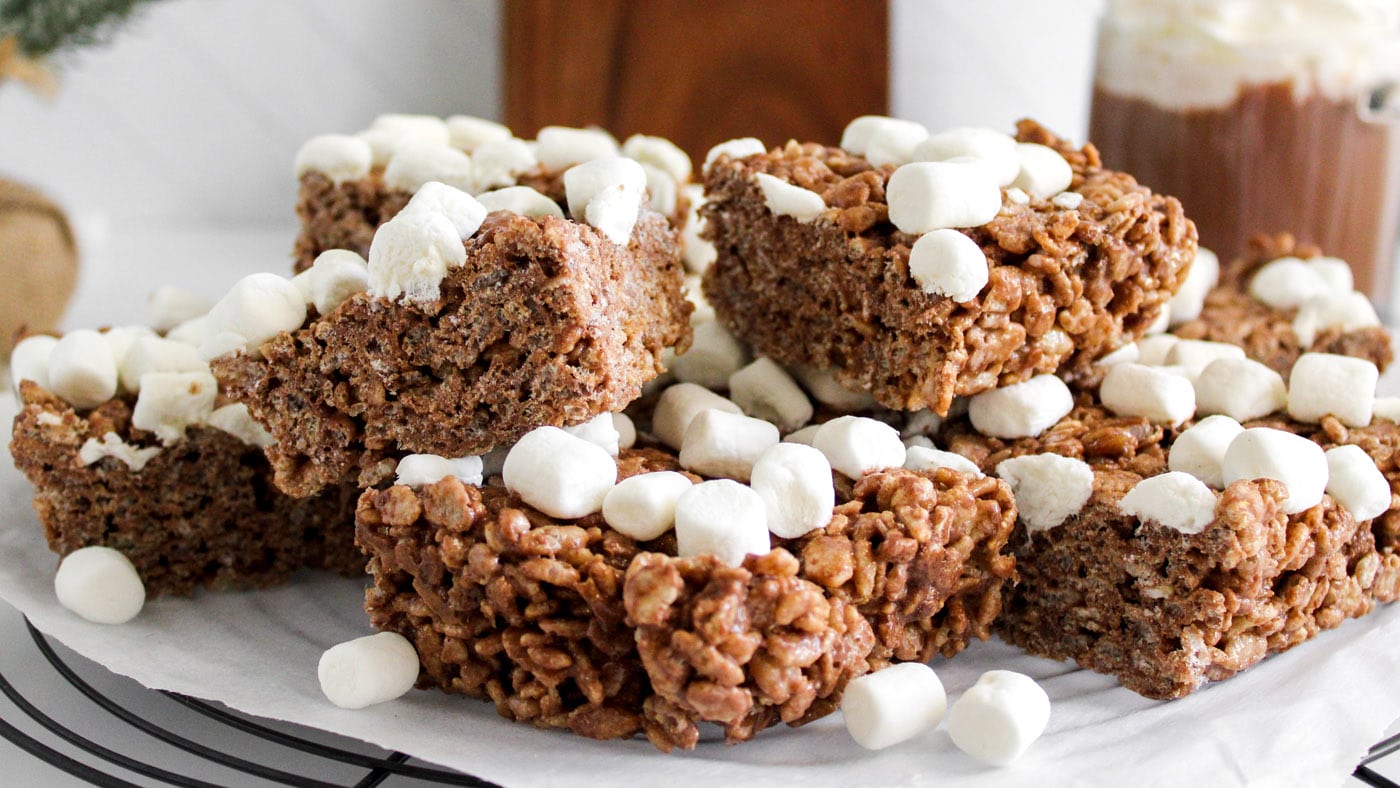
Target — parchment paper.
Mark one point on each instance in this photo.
(1300, 718)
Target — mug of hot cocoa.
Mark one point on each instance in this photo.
(1261, 116)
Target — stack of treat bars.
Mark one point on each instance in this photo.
(628, 447)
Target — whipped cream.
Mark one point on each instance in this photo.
(1201, 53)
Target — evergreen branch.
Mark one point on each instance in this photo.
(47, 27)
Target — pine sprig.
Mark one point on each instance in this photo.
(44, 28)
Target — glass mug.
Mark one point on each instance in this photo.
(1261, 116)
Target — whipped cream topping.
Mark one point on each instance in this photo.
(1201, 53)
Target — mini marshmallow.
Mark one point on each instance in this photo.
(1124, 354)
(1287, 282)
(718, 443)
(722, 518)
(236, 421)
(795, 484)
(29, 360)
(258, 306)
(599, 431)
(785, 199)
(417, 470)
(625, 429)
(1240, 388)
(1200, 449)
(1069, 201)
(1021, 410)
(418, 163)
(826, 389)
(460, 208)
(171, 401)
(339, 157)
(999, 717)
(1324, 383)
(111, 445)
(335, 276)
(993, 149)
(921, 422)
(948, 263)
(154, 354)
(855, 445)
(99, 584)
(804, 436)
(559, 147)
(607, 192)
(1153, 350)
(856, 137)
(411, 254)
(920, 458)
(1175, 499)
(663, 189)
(926, 196)
(1347, 311)
(121, 338)
(1354, 481)
(171, 306)
(519, 199)
(678, 405)
(644, 506)
(713, 356)
(1264, 453)
(1334, 272)
(766, 391)
(1161, 322)
(220, 344)
(1150, 392)
(740, 148)
(892, 141)
(469, 133)
(560, 474)
(659, 152)
(893, 704)
(1044, 172)
(1048, 488)
(368, 670)
(1016, 196)
(82, 369)
(1194, 355)
(695, 294)
(1387, 408)
(1186, 305)
(502, 162)
(697, 251)
(916, 441)
(421, 127)
(193, 332)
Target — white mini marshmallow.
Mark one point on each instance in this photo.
(1150, 392)
(340, 157)
(921, 458)
(659, 152)
(678, 405)
(154, 354)
(335, 276)
(999, 717)
(236, 421)
(722, 518)
(1333, 271)
(1161, 322)
(916, 441)
(1200, 449)
(121, 339)
(662, 188)
(1048, 488)
(1240, 388)
(766, 391)
(1387, 408)
(713, 356)
(171, 306)
(719, 443)
(1017, 196)
(1021, 410)
(625, 429)
(111, 445)
(417, 470)
(803, 436)
(1186, 305)
(926, 196)
(519, 199)
(1069, 201)
(1153, 350)
(695, 294)
(368, 670)
(258, 306)
(856, 137)
(995, 150)
(1194, 355)
(1356, 483)
(739, 148)
(1174, 499)
(855, 445)
(893, 141)
(193, 332)
(29, 360)
(948, 263)
(698, 252)
(644, 506)
(1264, 453)
(82, 369)
(100, 585)
(560, 474)
(420, 127)
(921, 422)
(1346, 311)
(893, 704)
(413, 165)
(1325, 383)
(786, 199)
(469, 133)
(1287, 282)
(561, 146)
(795, 484)
(460, 208)
(171, 401)
(1044, 172)
(502, 162)
(826, 389)
(599, 431)
(220, 344)
(411, 254)
(607, 193)
(1124, 354)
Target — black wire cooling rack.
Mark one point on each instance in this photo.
(310, 757)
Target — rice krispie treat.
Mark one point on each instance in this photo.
(918, 268)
